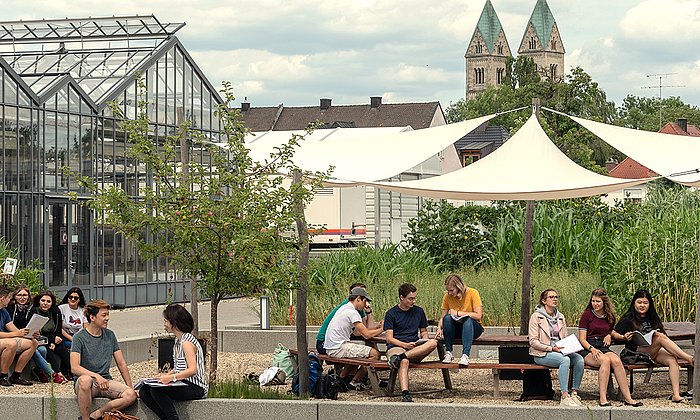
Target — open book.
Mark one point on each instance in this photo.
(421, 341)
(459, 318)
(155, 382)
(569, 345)
(35, 324)
(643, 339)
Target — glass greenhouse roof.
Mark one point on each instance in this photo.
(98, 52)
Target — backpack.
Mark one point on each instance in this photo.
(283, 360)
(320, 384)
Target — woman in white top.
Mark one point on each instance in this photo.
(188, 359)
(72, 309)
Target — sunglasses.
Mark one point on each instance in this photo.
(73, 297)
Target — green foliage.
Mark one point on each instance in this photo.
(643, 113)
(659, 252)
(454, 236)
(244, 390)
(499, 288)
(29, 275)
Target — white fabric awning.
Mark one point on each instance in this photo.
(526, 167)
(665, 154)
(364, 154)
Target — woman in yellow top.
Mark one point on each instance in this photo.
(461, 312)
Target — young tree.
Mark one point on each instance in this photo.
(228, 221)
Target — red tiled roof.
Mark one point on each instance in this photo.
(674, 128)
(631, 169)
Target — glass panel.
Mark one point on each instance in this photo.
(130, 102)
(63, 143)
(87, 135)
(26, 150)
(151, 94)
(75, 159)
(80, 245)
(73, 100)
(189, 116)
(11, 149)
(179, 88)
(196, 101)
(38, 155)
(10, 90)
(171, 83)
(62, 100)
(206, 110)
(50, 103)
(57, 245)
(162, 92)
(24, 98)
(50, 167)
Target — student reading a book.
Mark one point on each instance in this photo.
(595, 332)
(188, 361)
(641, 316)
(462, 315)
(45, 305)
(547, 326)
(21, 311)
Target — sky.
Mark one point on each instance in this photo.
(298, 51)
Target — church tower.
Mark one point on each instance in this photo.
(543, 44)
(487, 53)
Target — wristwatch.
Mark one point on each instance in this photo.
(590, 347)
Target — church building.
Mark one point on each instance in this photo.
(488, 50)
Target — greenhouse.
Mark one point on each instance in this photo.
(59, 79)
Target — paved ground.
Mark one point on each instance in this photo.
(144, 321)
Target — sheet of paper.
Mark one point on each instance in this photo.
(569, 345)
(35, 324)
(154, 382)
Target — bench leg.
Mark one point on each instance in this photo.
(374, 381)
(647, 377)
(392, 381)
(691, 371)
(631, 381)
(496, 383)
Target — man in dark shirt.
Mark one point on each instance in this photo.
(403, 323)
(90, 356)
(13, 341)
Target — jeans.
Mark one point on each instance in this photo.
(470, 330)
(40, 362)
(160, 399)
(558, 360)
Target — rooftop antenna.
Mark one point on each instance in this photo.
(661, 76)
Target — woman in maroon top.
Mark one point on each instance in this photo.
(596, 334)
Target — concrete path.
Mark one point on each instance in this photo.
(144, 321)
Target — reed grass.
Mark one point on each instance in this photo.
(244, 390)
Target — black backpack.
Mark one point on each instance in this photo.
(321, 385)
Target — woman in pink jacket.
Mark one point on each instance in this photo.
(547, 326)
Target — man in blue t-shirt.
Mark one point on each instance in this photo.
(13, 341)
(407, 339)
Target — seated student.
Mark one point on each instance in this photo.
(546, 327)
(403, 324)
(595, 333)
(337, 342)
(21, 311)
(13, 342)
(45, 305)
(641, 316)
(461, 316)
(72, 309)
(365, 314)
(91, 355)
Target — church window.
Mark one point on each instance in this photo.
(553, 71)
(478, 48)
(533, 43)
(499, 75)
(554, 44)
(500, 49)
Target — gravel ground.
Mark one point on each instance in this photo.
(471, 386)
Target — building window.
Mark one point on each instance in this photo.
(500, 49)
(499, 75)
(470, 157)
(478, 48)
(533, 43)
(479, 76)
(553, 71)
(554, 44)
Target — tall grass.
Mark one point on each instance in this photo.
(244, 390)
(499, 287)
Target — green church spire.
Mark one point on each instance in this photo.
(489, 26)
(542, 20)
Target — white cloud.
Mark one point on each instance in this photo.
(677, 20)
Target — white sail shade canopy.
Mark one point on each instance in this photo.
(526, 167)
(665, 154)
(364, 154)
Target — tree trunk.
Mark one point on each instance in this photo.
(194, 305)
(696, 372)
(527, 267)
(214, 338)
(302, 345)
(194, 298)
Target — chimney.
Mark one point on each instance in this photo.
(610, 164)
(375, 101)
(325, 104)
(683, 124)
(245, 105)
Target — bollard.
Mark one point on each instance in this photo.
(264, 312)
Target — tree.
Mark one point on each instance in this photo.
(228, 222)
(643, 113)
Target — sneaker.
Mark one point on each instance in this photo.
(356, 386)
(383, 383)
(568, 402)
(464, 361)
(577, 399)
(394, 361)
(19, 381)
(406, 398)
(5, 381)
(449, 358)
(41, 376)
(58, 378)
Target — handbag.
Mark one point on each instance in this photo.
(631, 357)
(283, 360)
(117, 415)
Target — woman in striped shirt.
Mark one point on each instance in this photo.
(188, 360)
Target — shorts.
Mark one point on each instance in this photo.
(20, 344)
(114, 389)
(350, 350)
(395, 351)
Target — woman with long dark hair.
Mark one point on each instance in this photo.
(595, 332)
(188, 362)
(72, 309)
(45, 305)
(641, 316)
